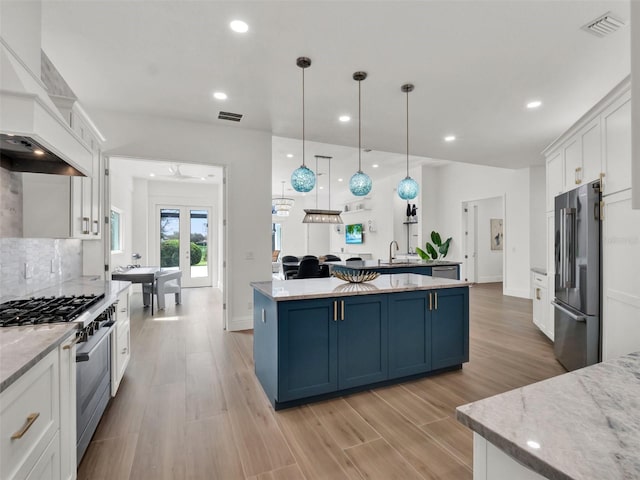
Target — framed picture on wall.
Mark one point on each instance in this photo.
(497, 233)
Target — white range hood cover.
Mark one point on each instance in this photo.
(27, 111)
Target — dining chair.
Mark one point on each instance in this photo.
(166, 282)
(309, 268)
(331, 258)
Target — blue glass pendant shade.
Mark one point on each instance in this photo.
(303, 179)
(360, 184)
(408, 188)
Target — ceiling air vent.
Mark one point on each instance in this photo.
(234, 117)
(604, 25)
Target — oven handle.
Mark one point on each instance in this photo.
(86, 356)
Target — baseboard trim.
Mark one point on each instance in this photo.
(490, 279)
(240, 323)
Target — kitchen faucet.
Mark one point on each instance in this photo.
(390, 251)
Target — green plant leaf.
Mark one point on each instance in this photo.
(444, 248)
(435, 238)
(423, 255)
(432, 251)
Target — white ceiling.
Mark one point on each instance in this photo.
(159, 171)
(474, 65)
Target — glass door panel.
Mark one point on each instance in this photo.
(170, 238)
(199, 248)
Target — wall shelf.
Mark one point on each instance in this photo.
(358, 210)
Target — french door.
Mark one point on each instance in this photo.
(185, 242)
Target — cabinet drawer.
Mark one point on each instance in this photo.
(48, 465)
(540, 280)
(29, 413)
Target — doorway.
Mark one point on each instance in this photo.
(186, 243)
(483, 225)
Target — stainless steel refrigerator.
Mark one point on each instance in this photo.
(577, 329)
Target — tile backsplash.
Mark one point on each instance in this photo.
(45, 261)
(10, 203)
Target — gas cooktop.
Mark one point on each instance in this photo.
(35, 311)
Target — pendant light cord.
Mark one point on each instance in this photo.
(303, 164)
(359, 129)
(407, 133)
(318, 177)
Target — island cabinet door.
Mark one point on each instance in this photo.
(409, 334)
(307, 347)
(362, 340)
(450, 327)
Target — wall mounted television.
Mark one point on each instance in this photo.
(353, 233)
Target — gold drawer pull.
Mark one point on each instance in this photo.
(430, 302)
(335, 310)
(73, 342)
(30, 420)
(436, 302)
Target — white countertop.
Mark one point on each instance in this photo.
(283, 290)
(581, 425)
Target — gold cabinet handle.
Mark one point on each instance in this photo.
(537, 294)
(578, 176)
(335, 310)
(430, 302)
(342, 310)
(73, 342)
(436, 302)
(85, 225)
(30, 420)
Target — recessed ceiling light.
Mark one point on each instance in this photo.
(534, 104)
(289, 155)
(340, 180)
(449, 138)
(239, 26)
(321, 188)
(219, 95)
(375, 165)
(344, 118)
(152, 174)
(38, 152)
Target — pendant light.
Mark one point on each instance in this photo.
(282, 205)
(323, 216)
(360, 183)
(408, 188)
(303, 179)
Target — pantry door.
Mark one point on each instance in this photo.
(186, 242)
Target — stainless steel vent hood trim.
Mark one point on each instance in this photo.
(28, 113)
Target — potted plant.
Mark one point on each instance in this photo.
(433, 252)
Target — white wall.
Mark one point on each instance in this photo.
(635, 100)
(538, 218)
(21, 28)
(122, 198)
(489, 261)
(456, 183)
(247, 156)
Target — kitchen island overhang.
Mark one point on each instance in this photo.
(321, 338)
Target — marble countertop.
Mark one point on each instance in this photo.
(398, 263)
(283, 290)
(581, 425)
(22, 347)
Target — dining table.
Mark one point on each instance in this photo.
(144, 275)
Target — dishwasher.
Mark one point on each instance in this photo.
(445, 272)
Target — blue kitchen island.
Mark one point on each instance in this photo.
(322, 337)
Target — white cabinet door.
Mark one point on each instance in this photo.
(572, 163)
(591, 137)
(120, 341)
(620, 279)
(555, 178)
(67, 353)
(616, 128)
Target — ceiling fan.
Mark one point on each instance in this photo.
(177, 174)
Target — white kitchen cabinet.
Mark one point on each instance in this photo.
(572, 151)
(591, 138)
(541, 304)
(620, 279)
(37, 414)
(555, 178)
(120, 341)
(616, 126)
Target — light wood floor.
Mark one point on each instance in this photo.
(190, 407)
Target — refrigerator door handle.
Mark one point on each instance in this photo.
(562, 247)
(570, 255)
(569, 313)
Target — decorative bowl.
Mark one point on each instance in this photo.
(355, 276)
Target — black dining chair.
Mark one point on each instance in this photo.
(289, 259)
(331, 258)
(354, 259)
(325, 271)
(309, 268)
(306, 257)
(289, 270)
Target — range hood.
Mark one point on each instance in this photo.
(34, 136)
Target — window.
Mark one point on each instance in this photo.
(276, 236)
(116, 230)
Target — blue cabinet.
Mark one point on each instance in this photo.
(319, 347)
(409, 334)
(450, 327)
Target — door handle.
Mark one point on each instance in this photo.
(342, 309)
(569, 313)
(430, 302)
(537, 294)
(436, 302)
(335, 310)
(30, 420)
(264, 316)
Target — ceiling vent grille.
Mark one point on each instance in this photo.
(603, 25)
(233, 117)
